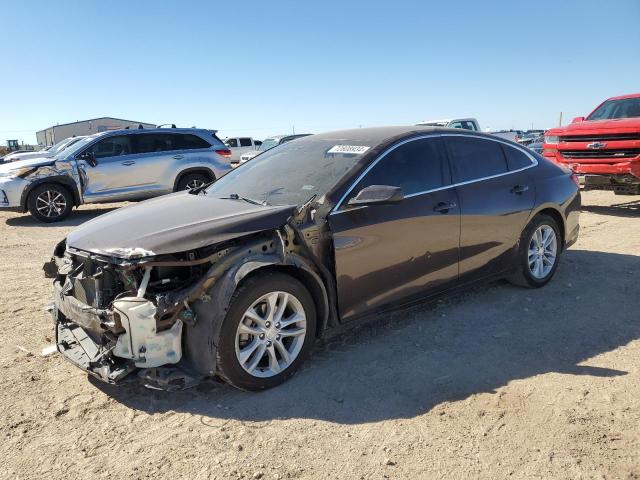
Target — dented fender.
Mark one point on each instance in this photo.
(201, 338)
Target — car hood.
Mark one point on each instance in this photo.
(24, 156)
(598, 126)
(174, 223)
(31, 162)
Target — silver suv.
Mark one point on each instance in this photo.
(112, 167)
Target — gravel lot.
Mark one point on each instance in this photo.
(495, 382)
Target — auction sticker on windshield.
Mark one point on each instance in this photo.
(353, 149)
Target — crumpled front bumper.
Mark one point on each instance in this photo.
(111, 343)
(604, 166)
(80, 349)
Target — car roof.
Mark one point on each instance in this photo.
(376, 135)
(135, 131)
(622, 97)
(380, 137)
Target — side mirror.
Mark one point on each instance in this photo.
(577, 120)
(377, 195)
(89, 157)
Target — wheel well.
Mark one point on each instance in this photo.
(68, 188)
(309, 283)
(553, 213)
(204, 171)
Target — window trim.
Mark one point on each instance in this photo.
(534, 163)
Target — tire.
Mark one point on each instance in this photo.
(262, 347)
(50, 202)
(192, 180)
(528, 275)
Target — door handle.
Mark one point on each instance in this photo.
(444, 207)
(128, 162)
(519, 189)
(178, 157)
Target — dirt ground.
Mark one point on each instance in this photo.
(493, 383)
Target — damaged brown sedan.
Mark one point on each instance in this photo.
(238, 278)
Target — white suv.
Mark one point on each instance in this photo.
(112, 167)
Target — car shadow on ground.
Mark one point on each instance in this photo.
(411, 361)
(77, 217)
(626, 209)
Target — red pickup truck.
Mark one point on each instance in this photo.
(603, 148)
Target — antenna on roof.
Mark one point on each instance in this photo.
(140, 127)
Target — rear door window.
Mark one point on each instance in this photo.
(188, 141)
(473, 158)
(245, 142)
(516, 159)
(417, 166)
(153, 142)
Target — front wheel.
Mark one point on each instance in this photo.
(50, 202)
(538, 253)
(267, 333)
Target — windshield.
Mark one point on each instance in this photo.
(611, 109)
(77, 145)
(289, 174)
(267, 144)
(74, 140)
(58, 146)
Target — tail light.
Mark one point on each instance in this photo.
(225, 152)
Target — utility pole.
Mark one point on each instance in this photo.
(560, 122)
(294, 129)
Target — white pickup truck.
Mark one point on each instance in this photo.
(240, 145)
(464, 123)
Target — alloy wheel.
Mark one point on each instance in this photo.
(50, 203)
(195, 183)
(543, 250)
(271, 334)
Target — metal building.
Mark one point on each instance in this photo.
(52, 135)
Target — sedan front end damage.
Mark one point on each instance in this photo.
(127, 309)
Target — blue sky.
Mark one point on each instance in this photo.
(259, 68)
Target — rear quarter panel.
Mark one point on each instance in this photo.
(556, 190)
(204, 159)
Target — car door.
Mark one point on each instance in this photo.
(391, 253)
(158, 160)
(495, 202)
(110, 177)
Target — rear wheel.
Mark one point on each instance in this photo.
(50, 202)
(267, 333)
(538, 253)
(192, 180)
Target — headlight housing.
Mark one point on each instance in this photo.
(551, 139)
